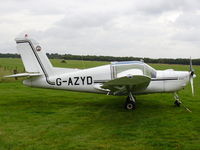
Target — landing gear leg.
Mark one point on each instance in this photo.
(130, 102)
(177, 100)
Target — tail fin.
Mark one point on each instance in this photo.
(34, 57)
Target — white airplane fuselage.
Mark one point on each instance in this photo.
(90, 80)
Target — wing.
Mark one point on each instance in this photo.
(123, 85)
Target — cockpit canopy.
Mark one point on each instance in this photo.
(133, 68)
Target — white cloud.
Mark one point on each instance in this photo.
(144, 28)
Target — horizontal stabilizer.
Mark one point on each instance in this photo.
(23, 75)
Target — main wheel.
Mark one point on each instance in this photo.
(177, 103)
(130, 105)
(130, 102)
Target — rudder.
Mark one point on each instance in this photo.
(34, 57)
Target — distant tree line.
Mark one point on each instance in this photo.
(8, 55)
(110, 58)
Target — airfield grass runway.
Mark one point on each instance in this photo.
(44, 119)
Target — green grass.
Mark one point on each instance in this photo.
(44, 119)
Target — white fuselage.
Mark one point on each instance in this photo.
(90, 80)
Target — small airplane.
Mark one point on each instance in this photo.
(128, 78)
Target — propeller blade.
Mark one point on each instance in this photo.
(192, 85)
(191, 69)
(192, 75)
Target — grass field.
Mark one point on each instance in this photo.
(44, 119)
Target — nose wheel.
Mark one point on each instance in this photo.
(177, 100)
(130, 103)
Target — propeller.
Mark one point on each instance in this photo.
(192, 75)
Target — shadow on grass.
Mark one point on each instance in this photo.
(92, 103)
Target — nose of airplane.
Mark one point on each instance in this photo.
(183, 74)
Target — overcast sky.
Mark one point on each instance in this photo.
(139, 28)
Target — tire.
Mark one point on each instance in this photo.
(177, 103)
(130, 105)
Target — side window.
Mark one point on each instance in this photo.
(121, 68)
(146, 69)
